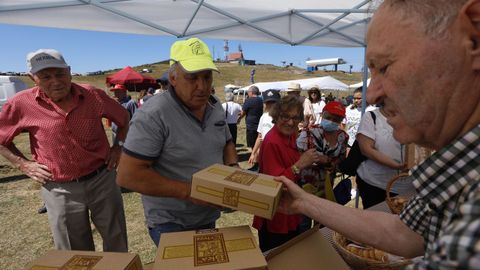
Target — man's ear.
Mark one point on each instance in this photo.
(31, 77)
(472, 11)
(172, 79)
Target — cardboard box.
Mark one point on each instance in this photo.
(238, 189)
(310, 250)
(87, 260)
(225, 248)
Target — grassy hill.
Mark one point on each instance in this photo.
(231, 74)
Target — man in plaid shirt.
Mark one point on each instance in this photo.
(424, 57)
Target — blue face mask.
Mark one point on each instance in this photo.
(328, 125)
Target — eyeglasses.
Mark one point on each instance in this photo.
(286, 118)
(357, 98)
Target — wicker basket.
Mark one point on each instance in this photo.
(393, 202)
(357, 262)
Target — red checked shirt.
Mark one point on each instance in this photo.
(70, 144)
(277, 155)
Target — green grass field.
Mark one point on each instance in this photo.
(26, 234)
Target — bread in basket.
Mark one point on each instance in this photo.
(397, 203)
(363, 257)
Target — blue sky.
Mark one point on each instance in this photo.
(87, 51)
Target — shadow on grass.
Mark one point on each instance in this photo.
(13, 178)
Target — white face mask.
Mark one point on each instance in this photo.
(329, 126)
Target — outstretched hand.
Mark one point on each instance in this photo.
(293, 198)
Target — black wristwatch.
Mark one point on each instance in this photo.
(119, 143)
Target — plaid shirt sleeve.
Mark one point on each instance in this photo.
(459, 246)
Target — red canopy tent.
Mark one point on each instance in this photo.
(131, 79)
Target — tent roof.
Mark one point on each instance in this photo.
(323, 83)
(300, 22)
(357, 85)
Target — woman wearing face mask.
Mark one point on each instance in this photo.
(331, 142)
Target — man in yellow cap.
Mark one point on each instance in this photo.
(174, 135)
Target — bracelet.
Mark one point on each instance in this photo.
(295, 169)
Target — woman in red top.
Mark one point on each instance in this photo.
(279, 156)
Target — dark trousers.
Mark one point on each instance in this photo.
(233, 131)
(371, 195)
(251, 137)
(269, 240)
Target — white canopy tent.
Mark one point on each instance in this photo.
(357, 85)
(301, 22)
(323, 83)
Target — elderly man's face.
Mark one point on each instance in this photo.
(55, 82)
(193, 89)
(293, 93)
(416, 77)
(120, 94)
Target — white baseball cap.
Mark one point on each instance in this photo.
(45, 58)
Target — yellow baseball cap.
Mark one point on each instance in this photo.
(193, 54)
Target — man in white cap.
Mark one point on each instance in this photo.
(72, 158)
(174, 135)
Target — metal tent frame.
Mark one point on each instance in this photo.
(317, 23)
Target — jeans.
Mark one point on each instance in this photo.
(156, 231)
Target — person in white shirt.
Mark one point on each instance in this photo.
(232, 113)
(270, 97)
(386, 159)
(353, 116)
(351, 123)
(317, 105)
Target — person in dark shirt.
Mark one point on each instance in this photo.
(252, 110)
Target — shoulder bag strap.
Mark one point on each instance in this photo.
(226, 110)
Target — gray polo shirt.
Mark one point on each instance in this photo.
(165, 131)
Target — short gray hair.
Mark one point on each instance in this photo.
(435, 16)
(229, 96)
(172, 71)
(254, 90)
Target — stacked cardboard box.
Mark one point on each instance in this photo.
(215, 249)
(238, 189)
(88, 260)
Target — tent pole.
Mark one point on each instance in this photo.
(364, 102)
(364, 79)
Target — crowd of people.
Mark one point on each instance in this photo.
(421, 72)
